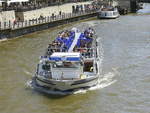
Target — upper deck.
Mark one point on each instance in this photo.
(73, 42)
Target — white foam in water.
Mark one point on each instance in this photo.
(105, 81)
(80, 91)
(28, 73)
(1, 40)
(28, 84)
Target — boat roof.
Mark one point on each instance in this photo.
(65, 56)
(109, 9)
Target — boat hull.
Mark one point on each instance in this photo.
(62, 85)
(108, 17)
(108, 14)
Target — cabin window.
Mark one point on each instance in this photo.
(88, 66)
(46, 67)
(66, 65)
(114, 13)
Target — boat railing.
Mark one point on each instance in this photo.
(46, 74)
(51, 50)
(85, 52)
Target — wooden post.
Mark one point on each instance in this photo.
(36, 20)
(42, 20)
(25, 23)
(45, 20)
(39, 21)
(29, 22)
(18, 24)
(48, 19)
(22, 23)
(32, 21)
(9, 24)
(4, 25)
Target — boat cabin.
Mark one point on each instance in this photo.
(62, 65)
(109, 12)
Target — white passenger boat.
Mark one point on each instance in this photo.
(108, 13)
(68, 65)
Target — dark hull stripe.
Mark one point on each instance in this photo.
(75, 83)
(83, 81)
(108, 17)
(45, 81)
(69, 91)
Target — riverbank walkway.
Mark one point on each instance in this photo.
(42, 20)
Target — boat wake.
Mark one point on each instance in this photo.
(28, 73)
(5, 39)
(105, 81)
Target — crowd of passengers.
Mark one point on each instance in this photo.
(65, 39)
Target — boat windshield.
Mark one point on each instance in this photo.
(46, 66)
(66, 64)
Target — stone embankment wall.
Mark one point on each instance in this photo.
(6, 16)
(31, 22)
(48, 11)
(26, 28)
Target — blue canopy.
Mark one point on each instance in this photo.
(65, 58)
(67, 41)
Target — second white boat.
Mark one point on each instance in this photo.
(108, 13)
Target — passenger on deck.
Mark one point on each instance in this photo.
(89, 32)
(84, 41)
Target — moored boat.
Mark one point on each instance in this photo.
(108, 13)
(70, 63)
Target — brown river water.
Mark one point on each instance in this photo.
(125, 76)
